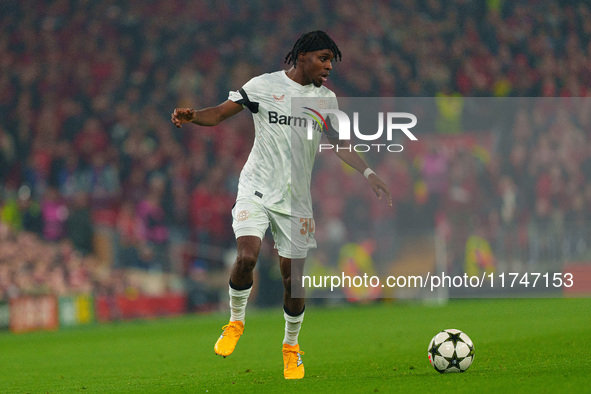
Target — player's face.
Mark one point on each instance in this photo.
(316, 66)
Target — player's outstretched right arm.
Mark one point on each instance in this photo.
(205, 117)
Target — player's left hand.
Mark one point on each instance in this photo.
(379, 187)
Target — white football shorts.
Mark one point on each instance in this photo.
(293, 236)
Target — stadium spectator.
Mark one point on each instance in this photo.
(79, 227)
(54, 213)
(153, 225)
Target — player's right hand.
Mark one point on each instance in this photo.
(379, 187)
(182, 115)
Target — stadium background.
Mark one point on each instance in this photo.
(111, 212)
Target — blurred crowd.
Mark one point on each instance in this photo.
(86, 140)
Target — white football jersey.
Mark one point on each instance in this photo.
(279, 167)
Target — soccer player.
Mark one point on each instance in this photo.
(268, 192)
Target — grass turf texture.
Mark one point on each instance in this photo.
(522, 345)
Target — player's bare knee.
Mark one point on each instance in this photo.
(289, 281)
(245, 262)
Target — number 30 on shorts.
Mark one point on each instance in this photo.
(307, 226)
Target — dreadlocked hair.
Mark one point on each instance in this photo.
(311, 40)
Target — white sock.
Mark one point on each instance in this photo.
(238, 299)
(292, 328)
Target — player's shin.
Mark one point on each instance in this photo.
(293, 324)
(238, 300)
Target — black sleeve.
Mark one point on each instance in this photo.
(251, 105)
(331, 133)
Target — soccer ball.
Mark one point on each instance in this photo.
(451, 351)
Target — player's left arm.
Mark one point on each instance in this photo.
(349, 156)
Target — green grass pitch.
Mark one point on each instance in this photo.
(522, 345)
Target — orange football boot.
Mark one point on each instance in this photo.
(293, 366)
(227, 341)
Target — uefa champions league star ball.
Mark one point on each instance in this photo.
(451, 351)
